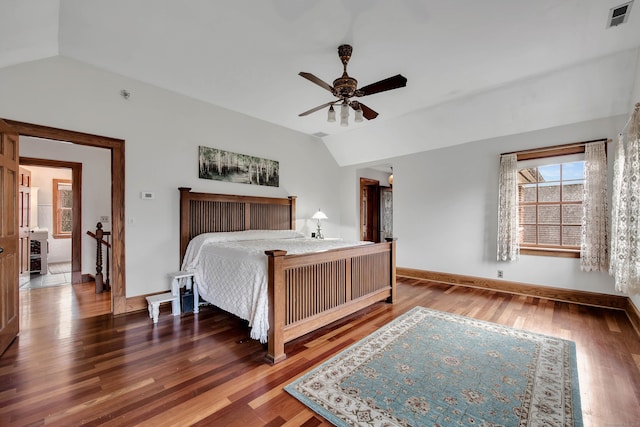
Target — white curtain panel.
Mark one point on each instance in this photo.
(508, 244)
(594, 251)
(625, 230)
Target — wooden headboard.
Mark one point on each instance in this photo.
(206, 213)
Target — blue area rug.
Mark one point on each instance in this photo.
(430, 368)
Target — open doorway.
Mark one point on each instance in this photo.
(369, 210)
(52, 245)
(64, 198)
(376, 204)
(115, 149)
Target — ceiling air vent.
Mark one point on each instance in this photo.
(319, 134)
(619, 14)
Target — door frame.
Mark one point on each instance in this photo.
(76, 208)
(118, 279)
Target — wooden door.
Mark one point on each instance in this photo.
(369, 210)
(24, 220)
(10, 254)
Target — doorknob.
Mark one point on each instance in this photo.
(1, 250)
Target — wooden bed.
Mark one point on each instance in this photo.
(306, 291)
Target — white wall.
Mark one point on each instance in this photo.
(635, 96)
(445, 200)
(445, 210)
(162, 131)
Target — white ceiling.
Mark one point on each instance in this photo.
(245, 55)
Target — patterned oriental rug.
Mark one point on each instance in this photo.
(430, 368)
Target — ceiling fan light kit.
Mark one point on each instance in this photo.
(346, 87)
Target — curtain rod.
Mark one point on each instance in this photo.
(557, 147)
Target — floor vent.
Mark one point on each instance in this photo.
(619, 14)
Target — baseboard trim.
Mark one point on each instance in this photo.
(616, 302)
(136, 303)
(84, 278)
(558, 294)
(634, 315)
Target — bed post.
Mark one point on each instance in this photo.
(292, 212)
(275, 343)
(392, 254)
(185, 217)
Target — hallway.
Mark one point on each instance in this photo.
(59, 274)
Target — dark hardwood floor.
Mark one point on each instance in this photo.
(72, 366)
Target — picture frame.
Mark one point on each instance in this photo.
(222, 165)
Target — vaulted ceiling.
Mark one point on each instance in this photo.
(461, 58)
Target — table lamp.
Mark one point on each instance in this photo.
(319, 215)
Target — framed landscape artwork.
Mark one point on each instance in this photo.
(227, 166)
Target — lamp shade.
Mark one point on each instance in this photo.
(331, 115)
(319, 215)
(344, 115)
(359, 115)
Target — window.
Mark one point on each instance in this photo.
(62, 204)
(550, 193)
(541, 210)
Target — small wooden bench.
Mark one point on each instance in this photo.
(154, 302)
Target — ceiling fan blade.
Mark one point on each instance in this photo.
(394, 82)
(367, 112)
(316, 80)
(319, 107)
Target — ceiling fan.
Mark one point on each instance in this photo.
(344, 88)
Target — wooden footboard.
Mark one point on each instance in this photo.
(309, 291)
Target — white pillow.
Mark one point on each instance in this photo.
(195, 245)
(236, 236)
(269, 234)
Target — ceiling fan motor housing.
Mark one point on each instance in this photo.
(345, 86)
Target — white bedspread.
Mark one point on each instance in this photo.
(231, 269)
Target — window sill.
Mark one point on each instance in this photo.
(560, 253)
(62, 236)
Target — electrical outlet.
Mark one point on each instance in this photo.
(500, 274)
(104, 219)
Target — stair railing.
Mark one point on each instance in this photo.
(100, 235)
